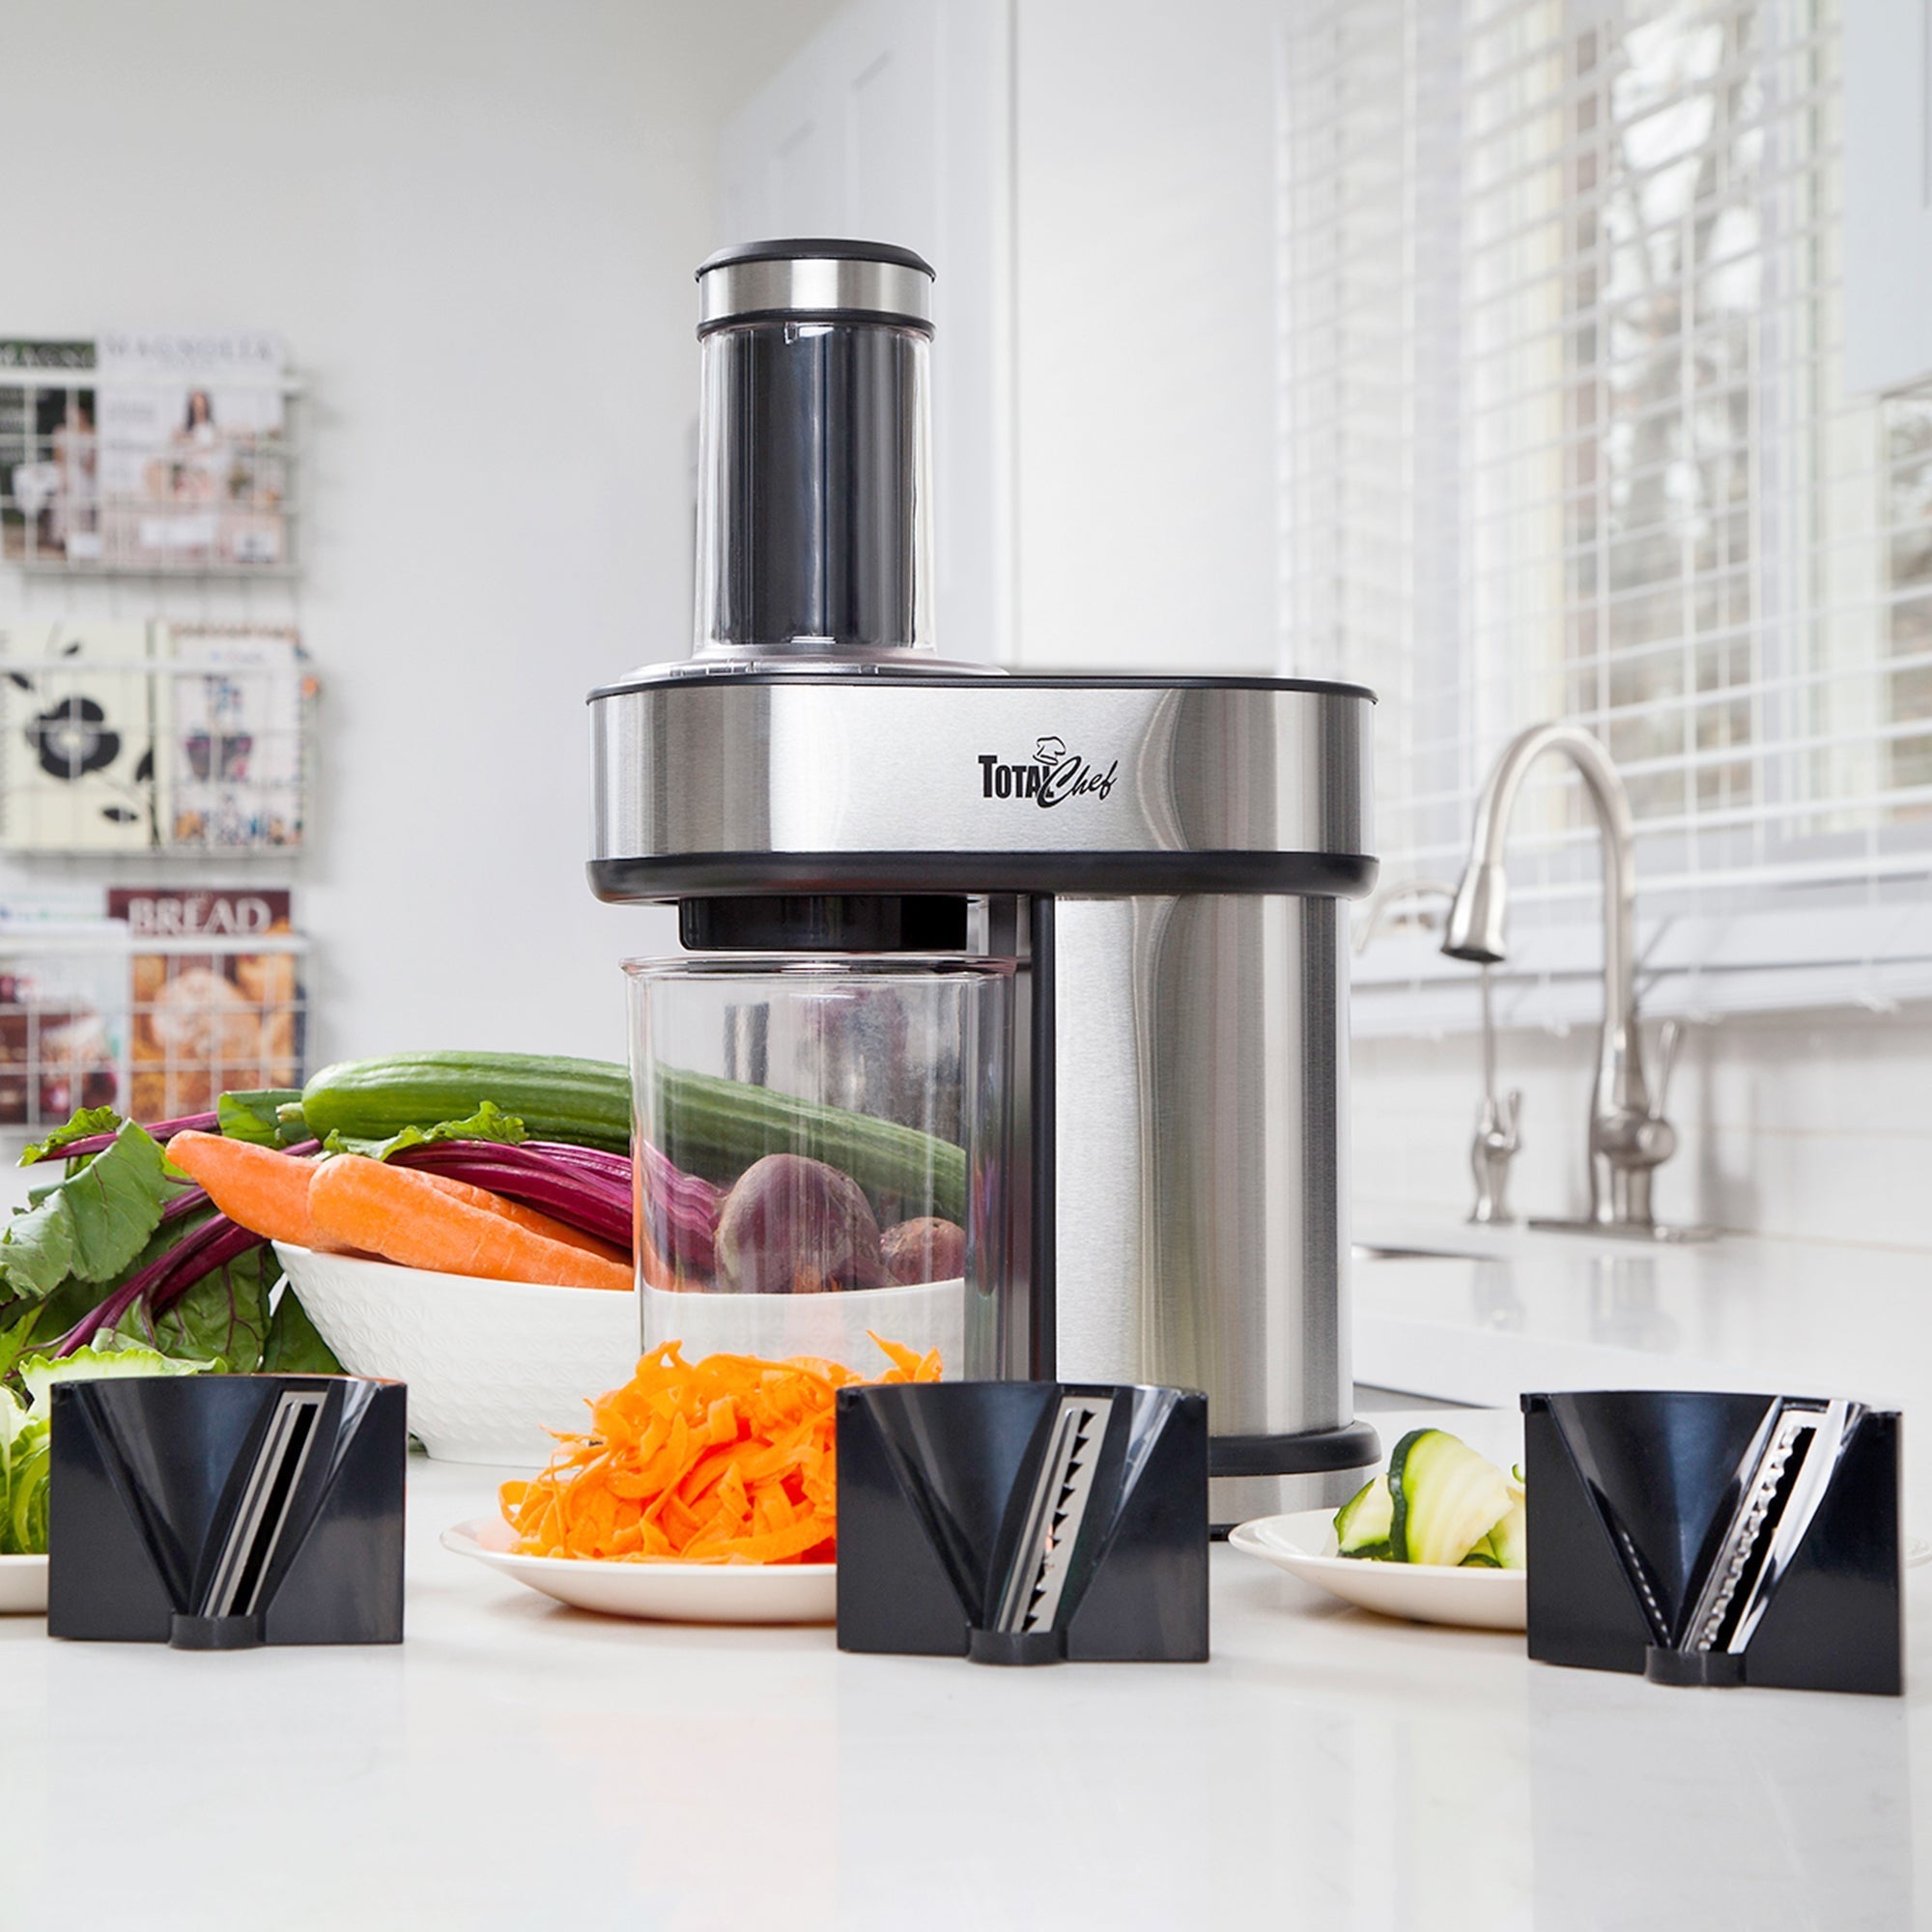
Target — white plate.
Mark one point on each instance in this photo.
(683, 1593)
(23, 1586)
(1430, 1593)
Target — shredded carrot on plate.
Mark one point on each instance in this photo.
(730, 1460)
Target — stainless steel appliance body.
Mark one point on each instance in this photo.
(1163, 858)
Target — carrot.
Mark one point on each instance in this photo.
(730, 1460)
(399, 1214)
(258, 1188)
(532, 1219)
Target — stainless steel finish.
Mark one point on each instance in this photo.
(1629, 1136)
(269, 1493)
(1200, 1059)
(1497, 1140)
(1817, 1449)
(811, 285)
(1003, 1332)
(830, 660)
(700, 766)
(1243, 1498)
(1061, 1494)
(1814, 1435)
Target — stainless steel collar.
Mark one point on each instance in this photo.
(816, 278)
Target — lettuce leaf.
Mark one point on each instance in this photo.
(23, 1479)
(489, 1122)
(24, 1428)
(91, 1224)
(118, 1356)
(16, 1337)
(257, 1116)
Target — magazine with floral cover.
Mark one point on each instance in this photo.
(77, 736)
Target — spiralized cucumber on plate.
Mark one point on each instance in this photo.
(1437, 1502)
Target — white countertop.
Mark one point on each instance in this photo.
(1523, 1310)
(517, 1764)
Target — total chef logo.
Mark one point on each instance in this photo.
(1055, 776)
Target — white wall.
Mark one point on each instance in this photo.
(1146, 270)
(475, 223)
(1807, 1127)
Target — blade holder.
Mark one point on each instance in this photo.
(1023, 1522)
(1708, 1538)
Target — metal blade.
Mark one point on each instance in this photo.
(1812, 1432)
(1816, 1459)
(1060, 1498)
(266, 1501)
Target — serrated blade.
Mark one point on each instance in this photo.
(1793, 1462)
(1061, 1494)
(1814, 1461)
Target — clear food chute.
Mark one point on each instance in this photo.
(821, 1155)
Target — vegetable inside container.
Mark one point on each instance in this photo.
(822, 1150)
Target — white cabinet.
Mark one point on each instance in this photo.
(1888, 228)
(894, 125)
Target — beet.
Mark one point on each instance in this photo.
(926, 1250)
(795, 1226)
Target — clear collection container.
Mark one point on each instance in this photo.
(822, 1152)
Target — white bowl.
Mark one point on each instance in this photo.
(492, 1366)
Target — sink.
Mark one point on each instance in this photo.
(1368, 1251)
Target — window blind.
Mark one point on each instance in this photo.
(1563, 434)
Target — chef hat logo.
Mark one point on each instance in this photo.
(1050, 751)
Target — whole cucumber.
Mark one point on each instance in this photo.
(583, 1102)
(718, 1128)
(708, 1125)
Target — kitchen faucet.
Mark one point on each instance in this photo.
(1497, 1138)
(1629, 1136)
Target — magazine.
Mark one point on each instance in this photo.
(215, 1004)
(145, 449)
(76, 737)
(48, 451)
(63, 1012)
(229, 733)
(193, 469)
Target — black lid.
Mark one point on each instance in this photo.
(815, 248)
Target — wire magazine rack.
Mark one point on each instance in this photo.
(108, 475)
(155, 1027)
(203, 747)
